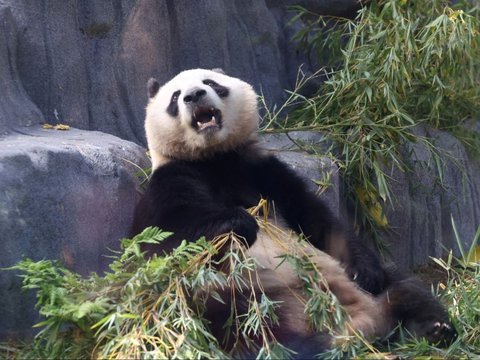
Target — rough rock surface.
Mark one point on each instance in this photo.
(425, 205)
(63, 195)
(16, 109)
(86, 63)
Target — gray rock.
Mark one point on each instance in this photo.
(63, 195)
(86, 63)
(425, 205)
(294, 140)
(16, 109)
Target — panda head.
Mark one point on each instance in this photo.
(199, 113)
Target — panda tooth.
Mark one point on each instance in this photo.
(213, 117)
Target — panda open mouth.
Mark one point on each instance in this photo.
(206, 119)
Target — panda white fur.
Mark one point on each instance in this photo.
(201, 129)
(236, 109)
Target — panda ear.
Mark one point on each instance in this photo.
(152, 87)
(219, 70)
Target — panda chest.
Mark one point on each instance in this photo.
(232, 185)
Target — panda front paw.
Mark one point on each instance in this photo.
(243, 224)
(365, 268)
(368, 278)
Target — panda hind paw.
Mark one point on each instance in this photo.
(442, 333)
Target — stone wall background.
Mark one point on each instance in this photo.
(70, 195)
(86, 62)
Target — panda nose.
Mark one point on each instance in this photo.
(193, 95)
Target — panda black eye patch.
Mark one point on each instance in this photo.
(172, 108)
(221, 91)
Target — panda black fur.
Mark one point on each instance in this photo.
(201, 130)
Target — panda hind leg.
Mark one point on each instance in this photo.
(411, 303)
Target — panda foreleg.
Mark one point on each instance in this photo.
(304, 212)
(365, 267)
(222, 221)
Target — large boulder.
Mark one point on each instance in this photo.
(65, 195)
(86, 63)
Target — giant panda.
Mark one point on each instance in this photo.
(201, 129)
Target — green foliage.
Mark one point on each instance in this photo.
(463, 292)
(140, 309)
(153, 307)
(398, 65)
(402, 62)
